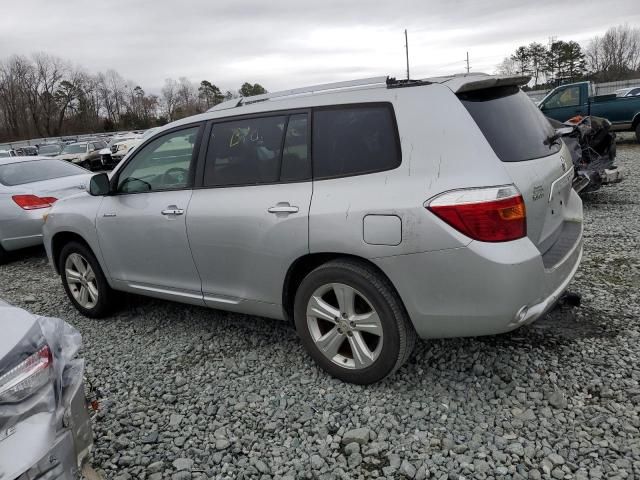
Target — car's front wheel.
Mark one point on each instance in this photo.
(352, 322)
(84, 282)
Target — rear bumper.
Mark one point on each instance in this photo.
(23, 231)
(481, 289)
(52, 445)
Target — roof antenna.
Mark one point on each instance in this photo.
(406, 48)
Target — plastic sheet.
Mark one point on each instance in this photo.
(36, 363)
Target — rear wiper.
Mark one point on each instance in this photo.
(552, 139)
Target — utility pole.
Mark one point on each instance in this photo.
(468, 68)
(406, 48)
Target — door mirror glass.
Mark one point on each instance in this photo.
(99, 185)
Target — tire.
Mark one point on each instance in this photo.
(86, 165)
(375, 298)
(638, 132)
(3, 256)
(102, 305)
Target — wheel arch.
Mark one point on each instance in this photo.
(302, 266)
(59, 240)
(636, 121)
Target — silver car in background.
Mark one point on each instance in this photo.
(28, 188)
(370, 213)
(45, 429)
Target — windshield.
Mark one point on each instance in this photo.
(49, 149)
(511, 123)
(36, 171)
(115, 140)
(75, 148)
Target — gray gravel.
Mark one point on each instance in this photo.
(195, 393)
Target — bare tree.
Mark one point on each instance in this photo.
(508, 66)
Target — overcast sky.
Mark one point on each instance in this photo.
(284, 44)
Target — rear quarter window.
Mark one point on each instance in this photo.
(354, 140)
(512, 124)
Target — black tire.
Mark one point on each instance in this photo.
(3, 255)
(638, 132)
(86, 165)
(106, 296)
(399, 336)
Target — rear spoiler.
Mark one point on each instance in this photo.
(470, 82)
(501, 81)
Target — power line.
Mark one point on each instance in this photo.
(468, 67)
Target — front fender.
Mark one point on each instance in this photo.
(75, 217)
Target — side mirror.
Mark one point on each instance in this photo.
(99, 185)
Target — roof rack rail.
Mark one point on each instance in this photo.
(393, 83)
(371, 81)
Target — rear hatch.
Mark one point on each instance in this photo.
(539, 164)
(59, 187)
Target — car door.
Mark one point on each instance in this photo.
(565, 103)
(249, 221)
(141, 227)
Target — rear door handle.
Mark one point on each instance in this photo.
(172, 210)
(283, 207)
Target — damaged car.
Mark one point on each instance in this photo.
(45, 428)
(592, 145)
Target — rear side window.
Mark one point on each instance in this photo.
(295, 156)
(36, 171)
(258, 150)
(354, 140)
(514, 127)
(245, 152)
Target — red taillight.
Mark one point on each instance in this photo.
(495, 214)
(33, 202)
(26, 377)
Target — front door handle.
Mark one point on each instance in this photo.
(172, 210)
(283, 207)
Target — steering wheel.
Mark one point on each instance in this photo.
(177, 174)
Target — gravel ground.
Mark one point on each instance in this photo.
(196, 393)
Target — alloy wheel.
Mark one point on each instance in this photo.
(344, 326)
(81, 280)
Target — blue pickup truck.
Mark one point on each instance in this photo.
(573, 99)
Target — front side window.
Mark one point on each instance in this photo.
(354, 140)
(163, 164)
(245, 152)
(569, 97)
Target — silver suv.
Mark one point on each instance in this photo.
(370, 213)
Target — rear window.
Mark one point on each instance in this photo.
(354, 140)
(514, 127)
(36, 171)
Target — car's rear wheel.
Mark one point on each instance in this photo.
(84, 282)
(352, 322)
(638, 132)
